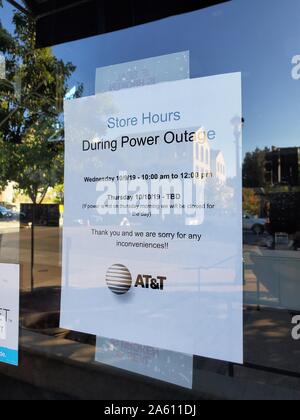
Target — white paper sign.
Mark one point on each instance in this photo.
(9, 313)
(3, 329)
(153, 217)
(176, 368)
(164, 365)
(143, 72)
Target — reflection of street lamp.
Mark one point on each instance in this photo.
(276, 159)
(279, 167)
(237, 123)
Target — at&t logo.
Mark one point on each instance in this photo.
(119, 280)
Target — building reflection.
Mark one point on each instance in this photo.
(207, 160)
(283, 166)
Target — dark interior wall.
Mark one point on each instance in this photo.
(14, 390)
(57, 22)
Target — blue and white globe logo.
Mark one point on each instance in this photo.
(118, 279)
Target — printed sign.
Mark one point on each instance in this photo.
(9, 313)
(176, 368)
(153, 217)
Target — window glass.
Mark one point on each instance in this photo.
(258, 39)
